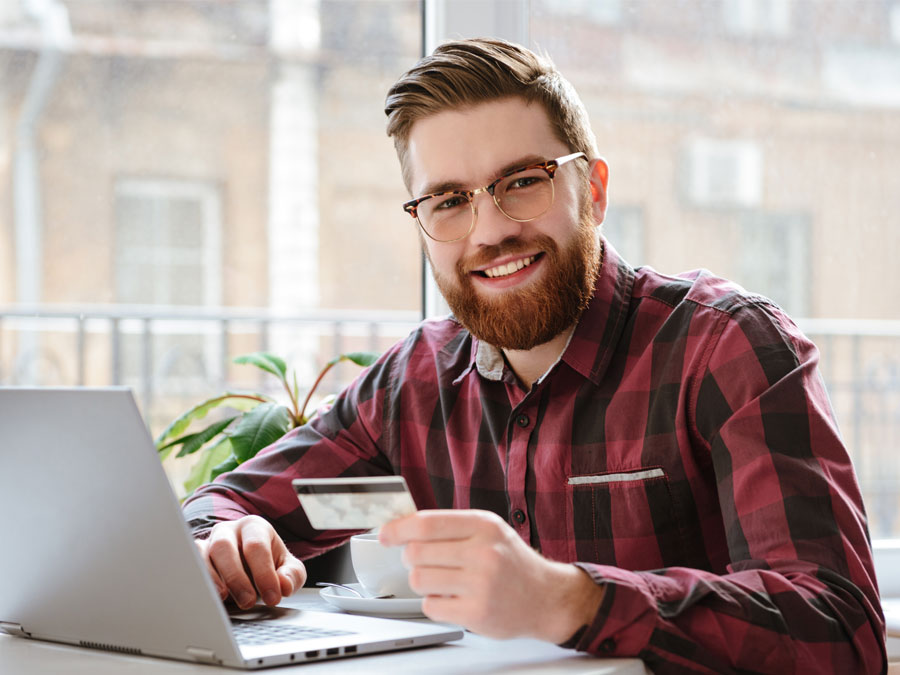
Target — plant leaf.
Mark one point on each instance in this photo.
(268, 362)
(237, 400)
(194, 442)
(364, 359)
(230, 463)
(359, 358)
(166, 450)
(186, 438)
(258, 428)
(211, 457)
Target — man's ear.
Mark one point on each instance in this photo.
(599, 180)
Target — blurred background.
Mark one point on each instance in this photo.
(183, 181)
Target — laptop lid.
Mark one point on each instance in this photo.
(97, 553)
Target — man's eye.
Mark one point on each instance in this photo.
(522, 182)
(450, 203)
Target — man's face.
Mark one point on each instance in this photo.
(555, 257)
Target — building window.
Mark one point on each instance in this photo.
(895, 22)
(168, 243)
(723, 173)
(763, 18)
(775, 259)
(862, 76)
(623, 227)
(168, 253)
(608, 12)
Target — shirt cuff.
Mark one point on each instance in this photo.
(626, 618)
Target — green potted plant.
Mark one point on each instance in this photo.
(259, 422)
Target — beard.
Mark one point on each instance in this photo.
(525, 318)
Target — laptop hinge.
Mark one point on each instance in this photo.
(202, 655)
(14, 629)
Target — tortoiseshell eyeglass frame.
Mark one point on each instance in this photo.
(550, 166)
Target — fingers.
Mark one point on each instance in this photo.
(439, 524)
(447, 609)
(460, 597)
(257, 544)
(473, 569)
(221, 588)
(246, 557)
(225, 558)
(439, 581)
(435, 554)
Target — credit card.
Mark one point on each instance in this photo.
(359, 503)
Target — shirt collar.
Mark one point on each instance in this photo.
(598, 331)
(602, 323)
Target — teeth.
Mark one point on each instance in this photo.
(509, 268)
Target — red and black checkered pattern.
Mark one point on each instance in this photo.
(682, 451)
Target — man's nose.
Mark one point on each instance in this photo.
(492, 225)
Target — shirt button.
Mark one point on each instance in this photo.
(608, 646)
(519, 516)
(523, 421)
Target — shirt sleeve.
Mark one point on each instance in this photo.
(342, 441)
(799, 594)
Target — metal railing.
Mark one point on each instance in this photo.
(120, 345)
(860, 364)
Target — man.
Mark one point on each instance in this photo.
(607, 458)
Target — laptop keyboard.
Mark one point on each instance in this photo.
(261, 633)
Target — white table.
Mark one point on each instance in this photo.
(473, 654)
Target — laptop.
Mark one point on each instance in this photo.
(96, 552)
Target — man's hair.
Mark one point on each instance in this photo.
(464, 73)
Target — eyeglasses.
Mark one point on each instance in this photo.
(522, 195)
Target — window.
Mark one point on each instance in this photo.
(228, 160)
(775, 259)
(606, 12)
(168, 252)
(895, 22)
(723, 173)
(862, 75)
(624, 226)
(757, 17)
(168, 248)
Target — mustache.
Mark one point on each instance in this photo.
(511, 246)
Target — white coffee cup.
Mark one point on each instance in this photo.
(378, 568)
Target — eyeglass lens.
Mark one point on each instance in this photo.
(522, 196)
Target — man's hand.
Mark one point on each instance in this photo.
(475, 571)
(246, 557)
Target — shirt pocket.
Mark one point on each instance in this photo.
(625, 518)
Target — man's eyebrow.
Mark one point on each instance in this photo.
(446, 186)
(527, 160)
(450, 186)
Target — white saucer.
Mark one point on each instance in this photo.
(395, 608)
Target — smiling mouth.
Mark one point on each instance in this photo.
(507, 269)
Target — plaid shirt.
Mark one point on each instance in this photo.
(682, 451)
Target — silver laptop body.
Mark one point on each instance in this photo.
(96, 553)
